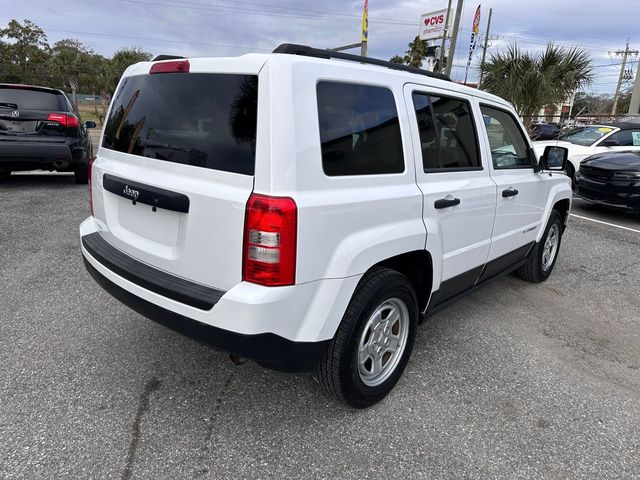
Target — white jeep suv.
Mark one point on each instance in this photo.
(307, 209)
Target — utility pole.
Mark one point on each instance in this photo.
(444, 37)
(634, 106)
(486, 45)
(625, 54)
(454, 37)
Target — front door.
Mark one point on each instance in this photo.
(521, 191)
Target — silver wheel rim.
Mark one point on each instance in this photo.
(383, 341)
(550, 247)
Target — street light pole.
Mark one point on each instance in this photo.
(484, 49)
(454, 37)
(444, 38)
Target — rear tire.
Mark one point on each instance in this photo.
(373, 343)
(4, 174)
(545, 253)
(81, 175)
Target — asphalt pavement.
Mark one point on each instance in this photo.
(516, 381)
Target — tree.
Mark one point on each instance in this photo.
(531, 82)
(69, 64)
(109, 71)
(589, 104)
(24, 53)
(416, 53)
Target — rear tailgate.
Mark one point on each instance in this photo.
(175, 171)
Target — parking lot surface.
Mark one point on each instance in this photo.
(516, 381)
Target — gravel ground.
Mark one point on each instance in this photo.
(515, 381)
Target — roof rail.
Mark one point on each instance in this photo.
(167, 57)
(304, 50)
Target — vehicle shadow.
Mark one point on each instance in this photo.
(19, 180)
(605, 214)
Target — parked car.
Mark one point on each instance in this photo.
(41, 130)
(586, 141)
(611, 179)
(544, 131)
(307, 208)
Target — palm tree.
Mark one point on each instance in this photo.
(530, 82)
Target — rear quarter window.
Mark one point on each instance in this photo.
(359, 130)
(198, 119)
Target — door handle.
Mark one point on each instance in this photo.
(446, 202)
(509, 192)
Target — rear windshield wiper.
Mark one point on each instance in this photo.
(9, 104)
(196, 157)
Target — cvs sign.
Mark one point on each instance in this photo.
(432, 24)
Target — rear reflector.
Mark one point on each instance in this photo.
(176, 66)
(64, 119)
(270, 232)
(89, 169)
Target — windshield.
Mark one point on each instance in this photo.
(199, 119)
(586, 136)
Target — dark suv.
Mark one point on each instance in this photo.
(41, 130)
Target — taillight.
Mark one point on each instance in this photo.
(270, 232)
(64, 119)
(176, 66)
(89, 168)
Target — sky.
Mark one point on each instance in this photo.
(233, 27)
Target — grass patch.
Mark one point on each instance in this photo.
(87, 113)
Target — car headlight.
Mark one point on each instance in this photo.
(622, 175)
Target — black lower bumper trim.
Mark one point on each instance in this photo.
(162, 283)
(268, 349)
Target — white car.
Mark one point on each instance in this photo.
(307, 209)
(589, 140)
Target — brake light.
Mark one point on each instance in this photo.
(271, 225)
(89, 168)
(64, 119)
(176, 66)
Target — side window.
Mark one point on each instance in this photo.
(626, 138)
(508, 144)
(359, 130)
(447, 133)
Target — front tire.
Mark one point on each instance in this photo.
(373, 344)
(545, 253)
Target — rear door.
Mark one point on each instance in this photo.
(175, 170)
(32, 114)
(459, 195)
(522, 193)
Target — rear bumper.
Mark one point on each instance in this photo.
(284, 328)
(619, 194)
(38, 155)
(268, 349)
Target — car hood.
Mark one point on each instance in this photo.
(540, 145)
(614, 161)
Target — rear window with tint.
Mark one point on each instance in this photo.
(26, 99)
(359, 130)
(200, 119)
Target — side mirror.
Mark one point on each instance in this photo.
(90, 124)
(609, 143)
(554, 158)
